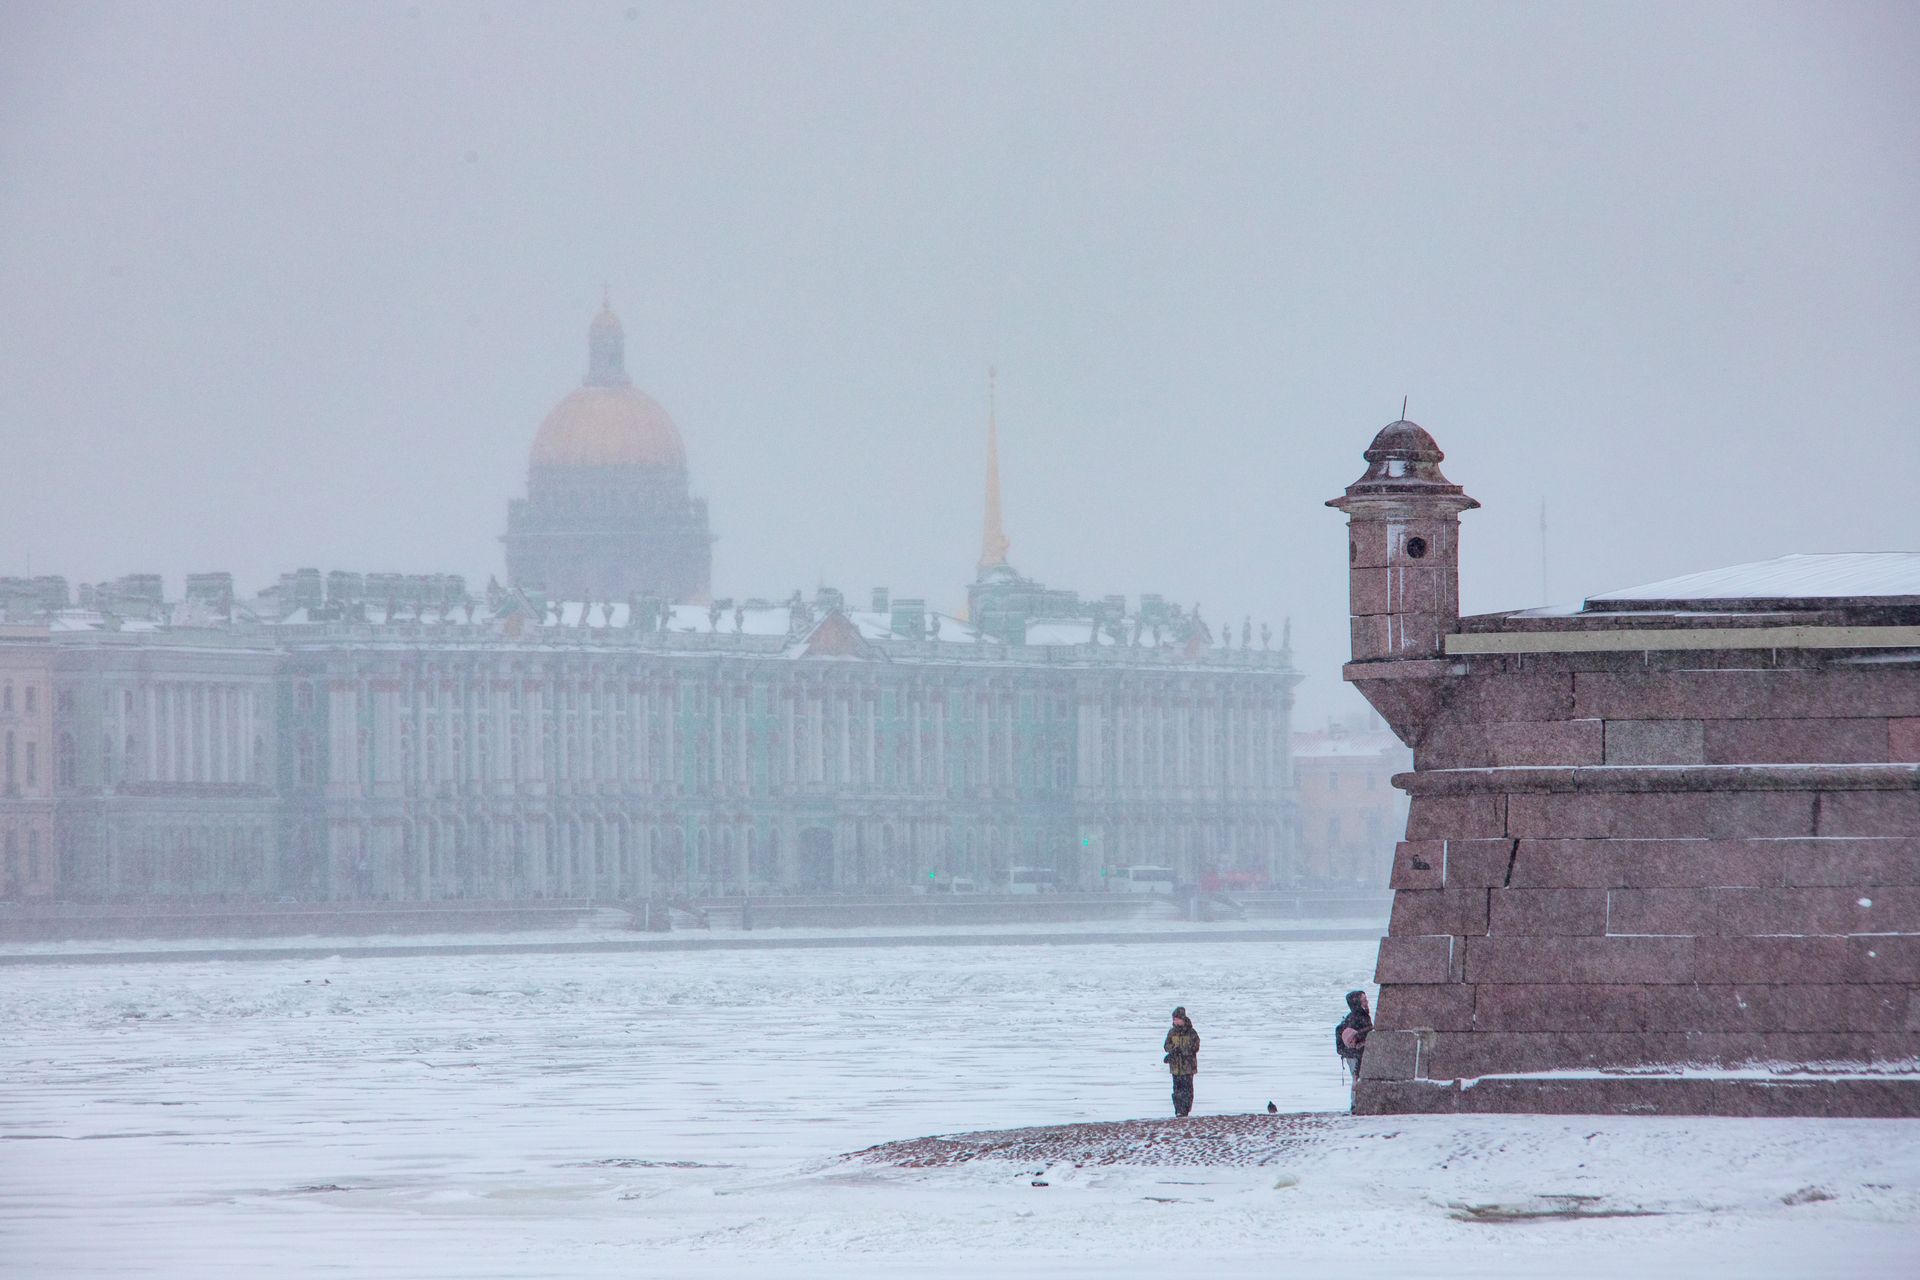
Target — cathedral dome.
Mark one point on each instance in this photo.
(608, 422)
(609, 427)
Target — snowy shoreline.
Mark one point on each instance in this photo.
(130, 951)
(716, 1113)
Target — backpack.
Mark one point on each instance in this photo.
(1340, 1046)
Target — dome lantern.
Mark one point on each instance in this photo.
(606, 350)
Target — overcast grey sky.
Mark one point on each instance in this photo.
(290, 285)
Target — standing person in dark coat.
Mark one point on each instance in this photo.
(1182, 1059)
(1350, 1036)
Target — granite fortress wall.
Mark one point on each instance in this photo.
(1663, 851)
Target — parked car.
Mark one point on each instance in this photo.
(949, 884)
(1146, 880)
(1033, 880)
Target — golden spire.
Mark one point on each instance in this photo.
(993, 541)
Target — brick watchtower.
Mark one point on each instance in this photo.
(1663, 851)
(1403, 569)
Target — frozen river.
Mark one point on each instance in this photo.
(680, 1114)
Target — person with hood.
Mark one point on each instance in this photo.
(1182, 1059)
(1350, 1036)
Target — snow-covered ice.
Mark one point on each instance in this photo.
(691, 1114)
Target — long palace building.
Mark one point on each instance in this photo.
(604, 727)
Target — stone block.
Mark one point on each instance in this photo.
(1700, 694)
(1450, 911)
(1456, 817)
(1878, 908)
(1488, 699)
(1745, 912)
(1622, 815)
(1414, 959)
(1419, 864)
(1547, 816)
(1457, 1056)
(1675, 815)
(1414, 590)
(1602, 960)
(1614, 1095)
(1478, 864)
(1390, 1055)
(1428, 1006)
(1372, 638)
(1884, 958)
(1561, 1007)
(1453, 746)
(1868, 813)
(1417, 634)
(1368, 592)
(1735, 1048)
(1903, 739)
(1534, 742)
(1823, 741)
(1763, 1008)
(1367, 545)
(1850, 862)
(1556, 864)
(1405, 1097)
(1770, 815)
(1772, 961)
(1650, 863)
(1548, 912)
(1665, 695)
(1655, 742)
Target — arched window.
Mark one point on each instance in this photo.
(33, 699)
(64, 767)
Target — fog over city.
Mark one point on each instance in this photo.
(600, 676)
(286, 286)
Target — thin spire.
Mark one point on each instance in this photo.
(1403, 408)
(993, 541)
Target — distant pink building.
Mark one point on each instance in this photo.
(1347, 812)
(1663, 850)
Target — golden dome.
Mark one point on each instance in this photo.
(608, 422)
(609, 427)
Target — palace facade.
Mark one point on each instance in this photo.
(603, 728)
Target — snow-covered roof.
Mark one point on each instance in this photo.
(1066, 631)
(1321, 744)
(1875, 575)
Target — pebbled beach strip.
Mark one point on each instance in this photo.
(1230, 1140)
